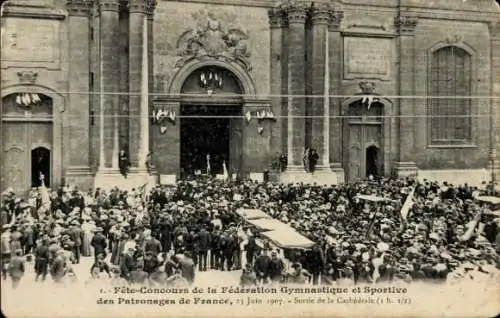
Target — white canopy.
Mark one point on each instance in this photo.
(251, 214)
(487, 199)
(288, 239)
(372, 198)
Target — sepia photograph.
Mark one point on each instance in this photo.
(250, 158)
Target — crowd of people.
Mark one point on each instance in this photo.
(165, 235)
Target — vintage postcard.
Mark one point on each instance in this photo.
(250, 158)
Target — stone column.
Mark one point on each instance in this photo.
(79, 172)
(276, 24)
(405, 26)
(109, 79)
(320, 17)
(335, 75)
(137, 72)
(495, 103)
(296, 85)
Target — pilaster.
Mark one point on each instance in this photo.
(406, 121)
(335, 103)
(276, 23)
(109, 80)
(494, 29)
(320, 16)
(296, 16)
(79, 172)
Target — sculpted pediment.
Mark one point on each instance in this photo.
(211, 39)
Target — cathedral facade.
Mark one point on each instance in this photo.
(375, 87)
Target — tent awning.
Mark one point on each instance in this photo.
(270, 225)
(251, 214)
(487, 199)
(288, 239)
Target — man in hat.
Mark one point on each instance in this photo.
(42, 256)
(127, 263)
(261, 266)
(76, 235)
(16, 268)
(203, 244)
(99, 243)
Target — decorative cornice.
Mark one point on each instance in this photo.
(109, 5)
(79, 7)
(142, 6)
(405, 24)
(335, 20)
(27, 77)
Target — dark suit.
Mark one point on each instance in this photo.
(203, 247)
(76, 235)
(99, 244)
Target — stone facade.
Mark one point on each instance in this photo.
(346, 78)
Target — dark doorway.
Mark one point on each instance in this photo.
(372, 161)
(40, 165)
(206, 130)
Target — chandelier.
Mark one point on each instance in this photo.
(211, 81)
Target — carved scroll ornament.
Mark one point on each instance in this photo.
(212, 40)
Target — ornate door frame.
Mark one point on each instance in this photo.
(386, 132)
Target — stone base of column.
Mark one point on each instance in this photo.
(405, 169)
(81, 177)
(322, 176)
(110, 178)
(339, 171)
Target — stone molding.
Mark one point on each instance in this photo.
(320, 15)
(405, 24)
(296, 15)
(109, 5)
(142, 6)
(79, 7)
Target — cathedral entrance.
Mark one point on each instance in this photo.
(27, 143)
(206, 136)
(363, 144)
(211, 123)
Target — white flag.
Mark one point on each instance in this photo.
(405, 210)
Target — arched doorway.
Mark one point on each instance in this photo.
(364, 140)
(40, 167)
(27, 132)
(211, 125)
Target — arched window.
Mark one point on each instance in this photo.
(449, 115)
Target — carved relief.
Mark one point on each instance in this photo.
(453, 39)
(212, 40)
(27, 77)
(367, 87)
(494, 29)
